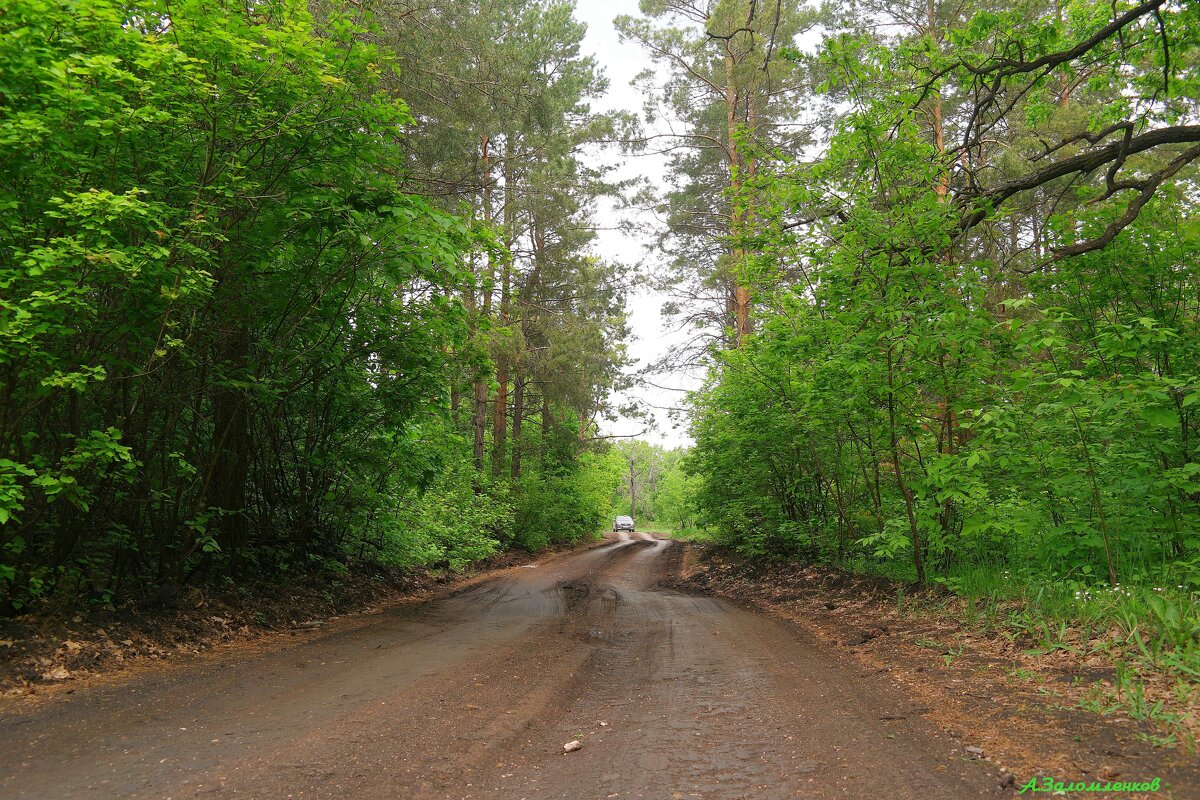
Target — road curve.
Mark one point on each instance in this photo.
(672, 696)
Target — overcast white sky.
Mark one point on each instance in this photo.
(653, 336)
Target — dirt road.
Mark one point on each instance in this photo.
(672, 696)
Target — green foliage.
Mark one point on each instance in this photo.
(232, 336)
(448, 524)
(913, 402)
(565, 506)
(653, 487)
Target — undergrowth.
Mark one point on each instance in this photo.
(1148, 634)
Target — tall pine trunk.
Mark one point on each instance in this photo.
(518, 418)
(479, 417)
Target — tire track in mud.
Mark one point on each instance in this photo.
(473, 697)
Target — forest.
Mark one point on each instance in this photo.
(287, 289)
(293, 288)
(334, 334)
(654, 487)
(960, 303)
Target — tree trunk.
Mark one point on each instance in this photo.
(935, 110)
(740, 293)
(518, 414)
(479, 420)
(500, 408)
(500, 422)
(230, 465)
(901, 484)
(632, 489)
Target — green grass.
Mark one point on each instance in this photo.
(1147, 630)
(680, 534)
(1148, 633)
(690, 535)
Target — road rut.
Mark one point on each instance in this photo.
(672, 696)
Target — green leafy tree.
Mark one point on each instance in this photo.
(969, 356)
(217, 292)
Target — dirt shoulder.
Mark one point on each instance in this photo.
(43, 655)
(1018, 710)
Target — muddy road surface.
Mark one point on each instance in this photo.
(671, 696)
